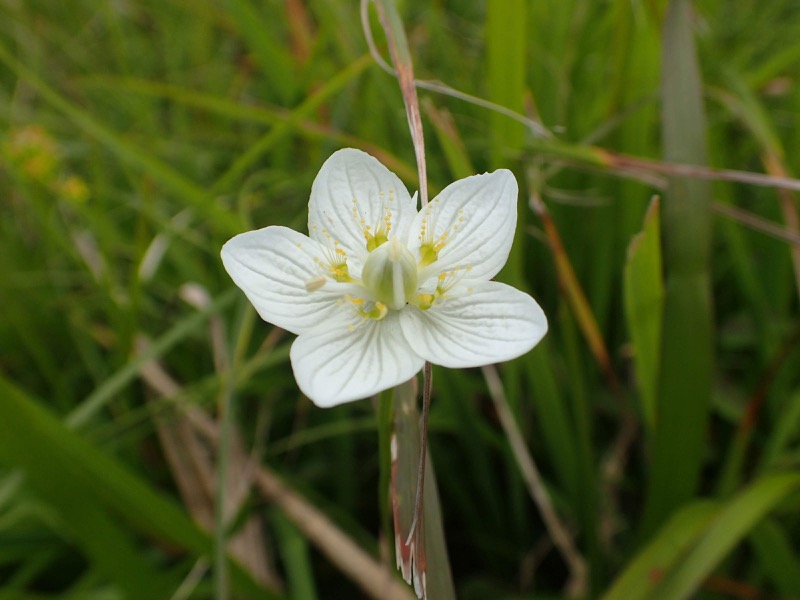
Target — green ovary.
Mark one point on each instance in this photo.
(390, 273)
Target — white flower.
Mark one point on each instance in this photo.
(378, 288)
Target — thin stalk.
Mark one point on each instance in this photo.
(559, 533)
(442, 88)
(228, 366)
(757, 223)
(624, 165)
(423, 449)
(341, 550)
(226, 419)
(404, 71)
(220, 537)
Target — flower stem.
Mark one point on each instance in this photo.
(404, 70)
(423, 450)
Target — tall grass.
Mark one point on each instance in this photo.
(137, 137)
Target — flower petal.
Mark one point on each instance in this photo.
(273, 266)
(489, 322)
(341, 361)
(470, 224)
(353, 192)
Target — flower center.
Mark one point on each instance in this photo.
(390, 273)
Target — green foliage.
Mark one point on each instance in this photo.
(644, 306)
(686, 363)
(137, 137)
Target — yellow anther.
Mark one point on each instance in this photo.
(425, 301)
(378, 233)
(340, 273)
(444, 283)
(429, 247)
(368, 310)
(378, 312)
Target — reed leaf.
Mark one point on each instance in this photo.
(685, 371)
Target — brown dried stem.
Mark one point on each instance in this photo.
(374, 578)
(577, 584)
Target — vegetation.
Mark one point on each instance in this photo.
(662, 410)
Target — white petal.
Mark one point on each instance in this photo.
(488, 322)
(273, 266)
(474, 220)
(345, 361)
(351, 192)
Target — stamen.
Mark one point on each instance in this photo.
(382, 229)
(368, 309)
(334, 264)
(429, 247)
(444, 283)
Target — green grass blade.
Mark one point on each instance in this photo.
(86, 485)
(81, 415)
(506, 40)
(287, 125)
(729, 526)
(778, 559)
(295, 553)
(275, 61)
(506, 54)
(637, 49)
(692, 543)
(645, 570)
(644, 302)
(555, 424)
(450, 141)
(506, 24)
(687, 356)
(190, 192)
(786, 431)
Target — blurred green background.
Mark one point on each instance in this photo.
(662, 409)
